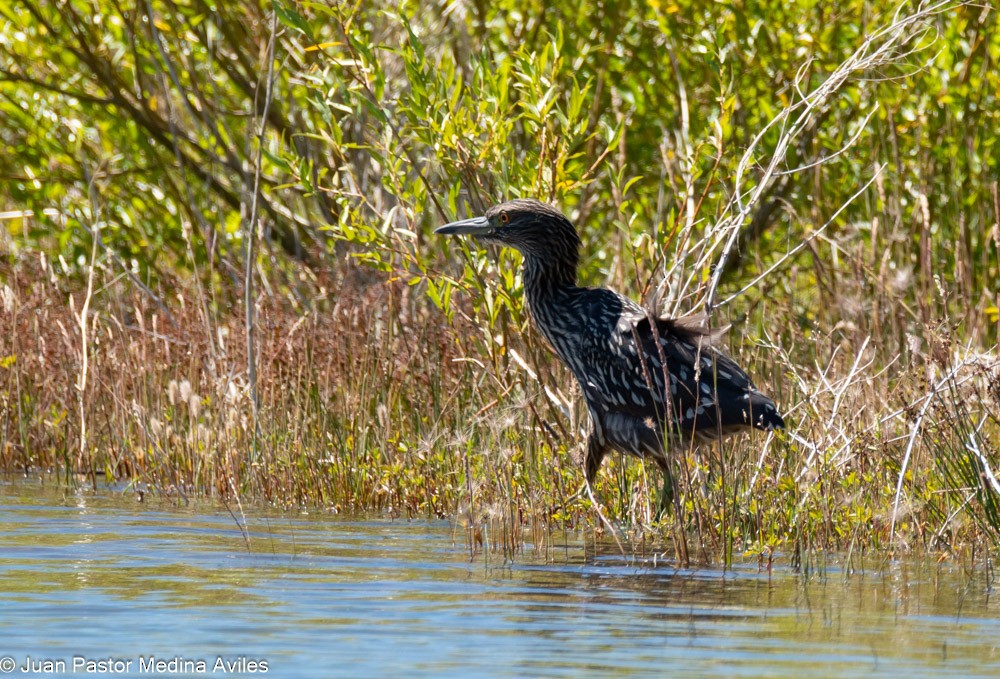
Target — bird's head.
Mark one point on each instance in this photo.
(533, 228)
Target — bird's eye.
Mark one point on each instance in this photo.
(504, 218)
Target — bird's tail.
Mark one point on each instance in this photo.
(764, 413)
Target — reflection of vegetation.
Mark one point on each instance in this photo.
(175, 585)
(408, 582)
(78, 551)
(137, 135)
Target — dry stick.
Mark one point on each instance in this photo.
(691, 208)
(848, 381)
(838, 395)
(896, 413)
(685, 137)
(996, 240)
(914, 430)
(127, 271)
(81, 385)
(806, 241)
(973, 447)
(877, 50)
(560, 405)
(250, 235)
(760, 465)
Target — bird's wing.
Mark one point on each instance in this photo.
(672, 371)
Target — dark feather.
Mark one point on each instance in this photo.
(646, 378)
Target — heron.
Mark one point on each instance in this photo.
(649, 381)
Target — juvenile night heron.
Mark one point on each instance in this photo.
(647, 380)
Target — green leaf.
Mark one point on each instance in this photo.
(292, 19)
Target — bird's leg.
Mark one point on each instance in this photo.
(670, 495)
(596, 450)
(577, 494)
(593, 457)
(668, 490)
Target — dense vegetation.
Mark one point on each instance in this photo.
(178, 172)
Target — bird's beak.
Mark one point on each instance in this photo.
(477, 226)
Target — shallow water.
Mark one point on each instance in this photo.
(94, 577)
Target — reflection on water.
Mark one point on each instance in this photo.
(99, 577)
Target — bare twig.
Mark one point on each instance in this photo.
(938, 387)
(808, 239)
(879, 49)
(81, 385)
(973, 447)
(250, 233)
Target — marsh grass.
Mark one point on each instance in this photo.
(397, 373)
(370, 402)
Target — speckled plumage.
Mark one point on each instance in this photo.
(646, 380)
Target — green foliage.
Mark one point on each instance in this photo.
(145, 126)
(389, 119)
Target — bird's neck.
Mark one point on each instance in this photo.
(548, 288)
(547, 278)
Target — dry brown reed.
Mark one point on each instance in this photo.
(371, 401)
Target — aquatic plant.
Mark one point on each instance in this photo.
(391, 378)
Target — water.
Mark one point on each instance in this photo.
(102, 578)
